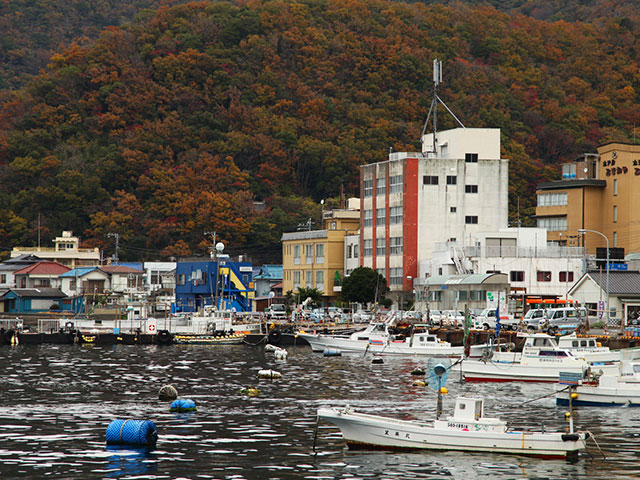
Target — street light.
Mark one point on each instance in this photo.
(583, 231)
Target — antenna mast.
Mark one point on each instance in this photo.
(437, 80)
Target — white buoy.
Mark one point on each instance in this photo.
(280, 354)
(270, 348)
(269, 374)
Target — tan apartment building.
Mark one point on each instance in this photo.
(597, 192)
(66, 250)
(311, 258)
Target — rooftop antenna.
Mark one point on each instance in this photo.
(437, 80)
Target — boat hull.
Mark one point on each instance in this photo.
(478, 371)
(319, 343)
(369, 431)
(235, 339)
(594, 396)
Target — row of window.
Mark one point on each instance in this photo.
(308, 276)
(463, 295)
(552, 199)
(352, 251)
(541, 276)
(308, 251)
(395, 216)
(395, 186)
(451, 180)
(395, 246)
(553, 224)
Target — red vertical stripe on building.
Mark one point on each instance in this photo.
(410, 222)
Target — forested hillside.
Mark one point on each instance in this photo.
(177, 123)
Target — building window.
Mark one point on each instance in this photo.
(569, 171)
(615, 186)
(380, 216)
(296, 279)
(430, 180)
(355, 251)
(395, 245)
(615, 239)
(296, 254)
(395, 184)
(333, 225)
(381, 272)
(368, 248)
(349, 251)
(471, 219)
(435, 295)
(552, 199)
(463, 296)
(452, 180)
(182, 279)
(566, 277)
(380, 246)
(309, 278)
(553, 224)
(395, 215)
(453, 209)
(368, 218)
(471, 189)
(319, 253)
(395, 276)
(320, 280)
(309, 253)
(543, 276)
(3, 278)
(368, 188)
(380, 186)
(471, 157)
(615, 213)
(516, 276)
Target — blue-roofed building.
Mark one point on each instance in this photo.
(84, 281)
(265, 278)
(225, 284)
(36, 300)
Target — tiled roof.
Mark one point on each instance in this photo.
(620, 283)
(78, 272)
(38, 292)
(43, 268)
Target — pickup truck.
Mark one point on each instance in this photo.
(487, 320)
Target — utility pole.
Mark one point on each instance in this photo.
(117, 237)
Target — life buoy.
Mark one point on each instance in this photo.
(275, 337)
(164, 337)
(69, 325)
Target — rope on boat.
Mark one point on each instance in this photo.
(591, 435)
(264, 339)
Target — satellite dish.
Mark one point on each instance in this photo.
(219, 247)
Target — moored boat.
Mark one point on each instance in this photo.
(467, 430)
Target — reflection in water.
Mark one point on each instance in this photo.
(56, 403)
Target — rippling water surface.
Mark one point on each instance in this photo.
(56, 403)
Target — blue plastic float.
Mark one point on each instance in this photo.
(132, 432)
(183, 405)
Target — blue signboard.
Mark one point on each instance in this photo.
(623, 267)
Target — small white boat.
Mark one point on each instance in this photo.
(541, 360)
(592, 351)
(612, 390)
(467, 430)
(377, 339)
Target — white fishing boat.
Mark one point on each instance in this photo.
(541, 360)
(376, 338)
(609, 390)
(591, 350)
(467, 430)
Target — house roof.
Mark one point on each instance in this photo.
(134, 265)
(78, 272)
(269, 272)
(37, 292)
(620, 283)
(18, 262)
(119, 269)
(43, 268)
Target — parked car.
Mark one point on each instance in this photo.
(532, 318)
(452, 317)
(362, 316)
(276, 311)
(434, 316)
(487, 320)
(562, 318)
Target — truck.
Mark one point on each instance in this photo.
(276, 311)
(487, 320)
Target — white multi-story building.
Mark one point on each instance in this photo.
(456, 187)
(66, 250)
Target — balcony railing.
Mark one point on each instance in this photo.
(524, 252)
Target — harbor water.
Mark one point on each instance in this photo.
(57, 401)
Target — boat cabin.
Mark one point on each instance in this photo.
(469, 416)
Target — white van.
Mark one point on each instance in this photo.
(487, 320)
(276, 311)
(562, 318)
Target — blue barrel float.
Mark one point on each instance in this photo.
(183, 405)
(132, 432)
(332, 352)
